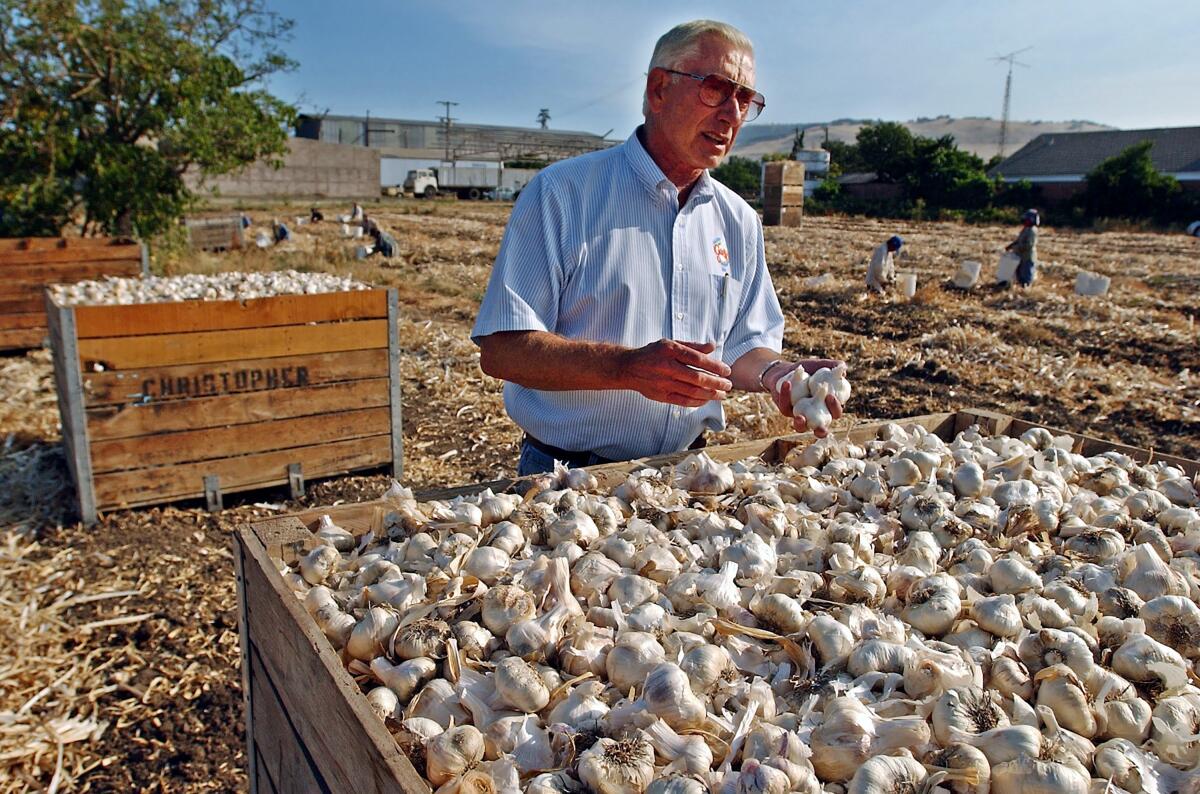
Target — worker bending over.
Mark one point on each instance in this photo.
(881, 273)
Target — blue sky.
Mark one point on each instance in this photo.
(1128, 64)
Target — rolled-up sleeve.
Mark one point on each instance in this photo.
(526, 282)
(759, 321)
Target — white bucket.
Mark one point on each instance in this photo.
(1006, 269)
(358, 232)
(968, 274)
(363, 251)
(1088, 283)
(907, 284)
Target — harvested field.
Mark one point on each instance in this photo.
(124, 672)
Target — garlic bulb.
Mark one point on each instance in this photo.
(582, 708)
(335, 624)
(617, 767)
(451, 754)
(668, 694)
(519, 686)
(1030, 776)
(813, 408)
(633, 656)
(421, 638)
(687, 754)
(701, 474)
(885, 773)
(330, 533)
(1174, 621)
(369, 635)
(384, 703)
(505, 605)
(316, 566)
(406, 678)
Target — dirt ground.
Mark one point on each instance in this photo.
(125, 633)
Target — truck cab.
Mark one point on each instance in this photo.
(421, 182)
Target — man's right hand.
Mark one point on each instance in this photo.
(679, 373)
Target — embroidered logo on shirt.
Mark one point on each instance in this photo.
(720, 250)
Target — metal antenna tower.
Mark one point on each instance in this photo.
(446, 121)
(1011, 60)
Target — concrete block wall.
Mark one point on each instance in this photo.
(311, 169)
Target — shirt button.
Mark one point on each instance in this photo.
(679, 316)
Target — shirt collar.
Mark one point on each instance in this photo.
(652, 177)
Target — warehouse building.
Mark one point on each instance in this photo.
(404, 145)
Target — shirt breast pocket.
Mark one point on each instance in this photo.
(726, 292)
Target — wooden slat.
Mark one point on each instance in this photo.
(8, 244)
(131, 352)
(125, 421)
(22, 304)
(68, 255)
(130, 386)
(186, 481)
(221, 442)
(257, 773)
(277, 744)
(9, 322)
(349, 745)
(22, 338)
(191, 316)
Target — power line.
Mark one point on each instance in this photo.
(1011, 60)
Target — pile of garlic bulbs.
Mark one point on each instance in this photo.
(111, 290)
(907, 615)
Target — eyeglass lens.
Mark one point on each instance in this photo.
(715, 90)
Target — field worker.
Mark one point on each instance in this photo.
(280, 232)
(1025, 247)
(881, 273)
(384, 243)
(1194, 229)
(315, 215)
(631, 294)
(356, 213)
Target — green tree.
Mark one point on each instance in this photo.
(107, 104)
(1128, 185)
(888, 149)
(844, 158)
(740, 174)
(945, 176)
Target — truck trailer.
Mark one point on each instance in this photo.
(466, 183)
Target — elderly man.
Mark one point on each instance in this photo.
(631, 292)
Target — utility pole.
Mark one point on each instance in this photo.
(1011, 60)
(446, 121)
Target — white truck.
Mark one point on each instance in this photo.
(466, 183)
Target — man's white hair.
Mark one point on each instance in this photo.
(682, 41)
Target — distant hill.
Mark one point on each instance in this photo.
(978, 135)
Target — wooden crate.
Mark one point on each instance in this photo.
(215, 234)
(168, 401)
(29, 265)
(308, 727)
(783, 193)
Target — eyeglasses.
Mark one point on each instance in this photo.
(716, 89)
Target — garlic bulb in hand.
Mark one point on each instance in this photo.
(813, 409)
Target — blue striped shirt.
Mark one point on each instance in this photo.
(598, 249)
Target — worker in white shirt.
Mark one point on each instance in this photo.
(881, 273)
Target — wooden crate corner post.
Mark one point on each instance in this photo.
(393, 317)
(68, 384)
